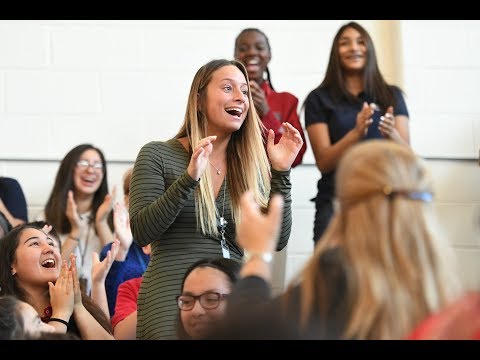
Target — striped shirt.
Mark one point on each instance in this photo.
(162, 212)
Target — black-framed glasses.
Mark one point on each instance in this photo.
(84, 165)
(208, 300)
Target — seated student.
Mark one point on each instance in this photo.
(13, 205)
(33, 271)
(131, 260)
(205, 289)
(209, 275)
(80, 208)
(379, 269)
(19, 319)
(124, 319)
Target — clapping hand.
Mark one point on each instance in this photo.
(106, 206)
(364, 119)
(283, 153)
(100, 269)
(259, 99)
(121, 225)
(387, 123)
(72, 213)
(76, 282)
(199, 160)
(62, 295)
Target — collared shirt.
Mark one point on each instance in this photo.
(283, 108)
(341, 117)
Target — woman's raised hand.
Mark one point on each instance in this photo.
(72, 213)
(283, 153)
(364, 119)
(199, 160)
(106, 206)
(62, 294)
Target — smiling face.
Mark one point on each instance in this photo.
(226, 101)
(37, 259)
(253, 50)
(88, 178)
(198, 321)
(352, 50)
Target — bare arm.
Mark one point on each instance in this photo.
(401, 124)
(395, 128)
(127, 328)
(78, 228)
(88, 326)
(121, 224)
(105, 234)
(100, 270)
(328, 155)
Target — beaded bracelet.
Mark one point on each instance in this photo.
(58, 320)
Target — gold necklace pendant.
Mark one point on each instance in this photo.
(218, 170)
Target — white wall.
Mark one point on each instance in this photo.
(119, 84)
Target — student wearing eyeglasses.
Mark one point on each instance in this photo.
(80, 207)
(203, 300)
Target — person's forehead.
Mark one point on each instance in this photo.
(35, 233)
(229, 72)
(206, 278)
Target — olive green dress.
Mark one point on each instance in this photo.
(162, 213)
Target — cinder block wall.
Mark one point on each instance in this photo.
(120, 84)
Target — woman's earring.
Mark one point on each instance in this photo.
(13, 271)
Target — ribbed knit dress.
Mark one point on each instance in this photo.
(162, 212)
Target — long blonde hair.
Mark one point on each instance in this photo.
(397, 269)
(247, 163)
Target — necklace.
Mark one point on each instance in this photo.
(222, 224)
(218, 170)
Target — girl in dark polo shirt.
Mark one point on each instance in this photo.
(353, 103)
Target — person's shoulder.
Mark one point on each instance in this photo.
(286, 96)
(318, 92)
(158, 147)
(320, 96)
(9, 182)
(131, 283)
(154, 144)
(397, 91)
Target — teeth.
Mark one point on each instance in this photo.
(49, 262)
(234, 109)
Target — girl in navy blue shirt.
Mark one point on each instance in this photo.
(353, 103)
